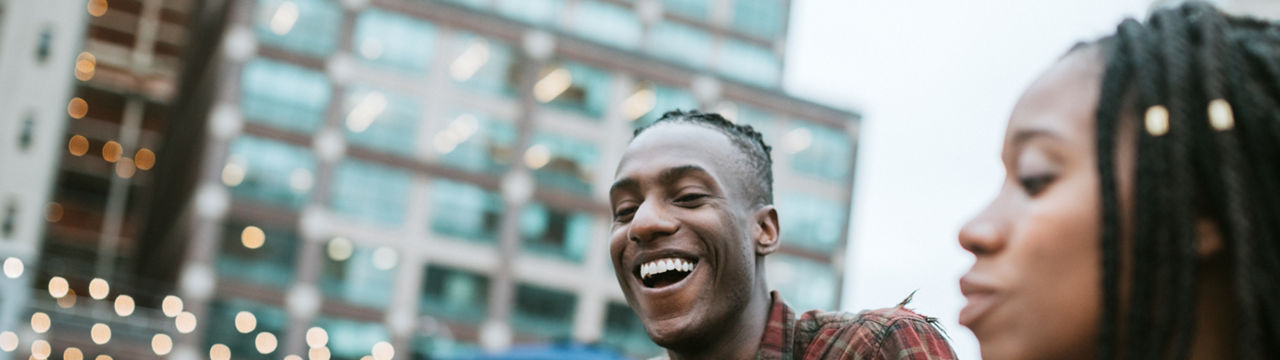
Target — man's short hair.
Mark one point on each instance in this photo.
(756, 159)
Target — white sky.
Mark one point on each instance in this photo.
(935, 80)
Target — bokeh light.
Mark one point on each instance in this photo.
(77, 108)
(100, 333)
(98, 289)
(40, 322)
(124, 305)
(265, 342)
(171, 306)
(58, 287)
(111, 151)
(13, 267)
(144, 159)
(78, 145)
(252, 237)
(161, 344)
(245, 322)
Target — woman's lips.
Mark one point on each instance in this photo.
(981, 298)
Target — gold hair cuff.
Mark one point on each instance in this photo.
(1220, 115)
(1157, 120)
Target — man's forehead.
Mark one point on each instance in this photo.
(676, 144)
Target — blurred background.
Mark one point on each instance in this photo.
(426, 179)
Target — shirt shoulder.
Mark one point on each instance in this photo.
(888, 333)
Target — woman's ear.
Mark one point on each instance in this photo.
(1209, 241)
(765, 230)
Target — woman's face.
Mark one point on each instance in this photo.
(1035, 287)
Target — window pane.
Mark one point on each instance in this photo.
(823, 151)
(370, 192)
(270, 171)
(696, 9)
(803, 283)
(587, 93)
(544, 312)
(455, 294)
(271, 265)
(351, 339)
(477, 143)
(607, 23)
(442, 347)
(381, 120)
(283, 95)
(624, 331)
(222, 318)
(569, 163)
(394, 41)
(555, 232)
(465, 210)
(364, 276)
(486, 66)
(667, 98)
(750, 63)
(308, 27)
(680, 43)
(811, 222)
(762, 18)
(534, 12)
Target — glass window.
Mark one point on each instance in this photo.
(370, 192)
(803, 283)
(696, 9)
(762, 18)
(465, 210)
(811, 222)
(477, 143)
(443, 347)
(381, 120)
(555, 232)
(561, 162)
(666, 98)
(221, 321)
(485, 65)
(750, 63)
(283, 95)
(350, 339)
(269, 171)
(308, 27)
(820, 151)
(607, 23)
(358, 275)
(534, 12)
(455, 294)
(624, 332)
(681, 43)
(394, 41)
(544, 312)
(271, 264)
(759, 120)
(478, 4)
(587, 89)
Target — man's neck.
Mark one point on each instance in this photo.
(737, 341)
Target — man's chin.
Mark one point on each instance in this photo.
(671, 333)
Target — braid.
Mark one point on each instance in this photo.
(1226, 174)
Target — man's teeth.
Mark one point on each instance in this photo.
(664, 265)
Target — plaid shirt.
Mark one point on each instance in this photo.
(890, 333)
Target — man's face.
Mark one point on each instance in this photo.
(682, 238)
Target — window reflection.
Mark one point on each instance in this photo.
(485, 65)
(555, 232)
(464, 210)
(283, 95)
(308, 27)
(533, 12)
(269, 171)
(812, 222)
(544, 312)
(222, 324)
(803, 283)
(681, 43)
(271, 264)
(565, 163)
(454, 294)
(381, 120)
(749, 63)
(575, 87)
(624, 331)
(476, 142)
(696, 9)
(665, 98)
(819, 150)
(442, 347)
(606, 23)
(762, 18)
(394, 41)
(351, 339)
(370, 192)
(365, 277)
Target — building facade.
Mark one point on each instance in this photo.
(343, 177)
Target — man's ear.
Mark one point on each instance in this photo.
(1208, 238)
(765, 230)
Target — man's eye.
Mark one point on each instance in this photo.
(687, 198)
(624, 214)
(1036, 184)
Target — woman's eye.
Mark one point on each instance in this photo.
(1035, 184)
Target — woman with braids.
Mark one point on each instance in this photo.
(1140, 214)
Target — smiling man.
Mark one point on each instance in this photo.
(693, 220)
